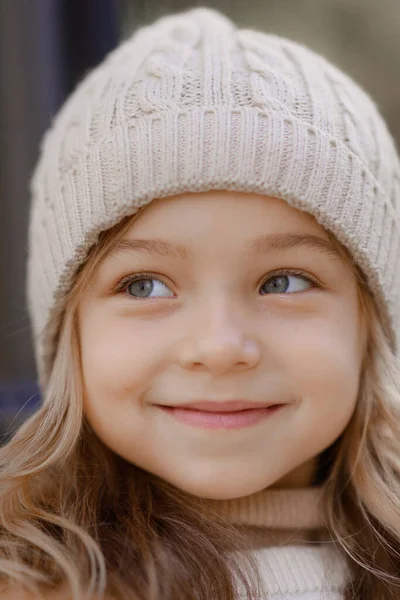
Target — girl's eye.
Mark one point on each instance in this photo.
(147, 287)
(287, 284)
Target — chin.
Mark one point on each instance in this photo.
(221, 490)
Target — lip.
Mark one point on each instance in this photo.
(227, 406)
(222, 415)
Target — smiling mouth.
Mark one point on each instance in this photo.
(222, 415)
(225, 406)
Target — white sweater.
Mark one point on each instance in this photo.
(293, 568)
(301, 572)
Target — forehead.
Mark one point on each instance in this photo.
(177, 226)
(217, 210)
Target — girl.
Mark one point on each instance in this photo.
(214, 289)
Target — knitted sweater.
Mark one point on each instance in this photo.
(282, 524)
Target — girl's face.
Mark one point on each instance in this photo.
(222, 297)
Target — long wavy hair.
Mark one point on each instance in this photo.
(76, 516)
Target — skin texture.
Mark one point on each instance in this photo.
(210, 329)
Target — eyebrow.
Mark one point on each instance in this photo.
(285, 241)
(264, 244)
(156, 246)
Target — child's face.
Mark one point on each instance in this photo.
(215, 319)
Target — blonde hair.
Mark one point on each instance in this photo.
(74, 514)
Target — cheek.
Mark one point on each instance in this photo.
(325, 361)
(117, 355)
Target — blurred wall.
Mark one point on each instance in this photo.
(31, 89)
(45, 48)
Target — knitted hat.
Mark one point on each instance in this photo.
(192, 103)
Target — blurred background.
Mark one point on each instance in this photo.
(46, 47)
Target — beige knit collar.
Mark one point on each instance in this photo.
(287, 509)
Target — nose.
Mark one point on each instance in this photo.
(219, 342)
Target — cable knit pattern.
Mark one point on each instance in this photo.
(192, 103)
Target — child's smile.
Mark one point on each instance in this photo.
(222, 415)
(222, 297)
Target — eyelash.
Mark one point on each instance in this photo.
(126, 281)
(313, 281)
(129, 279)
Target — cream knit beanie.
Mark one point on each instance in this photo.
(192, 103)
